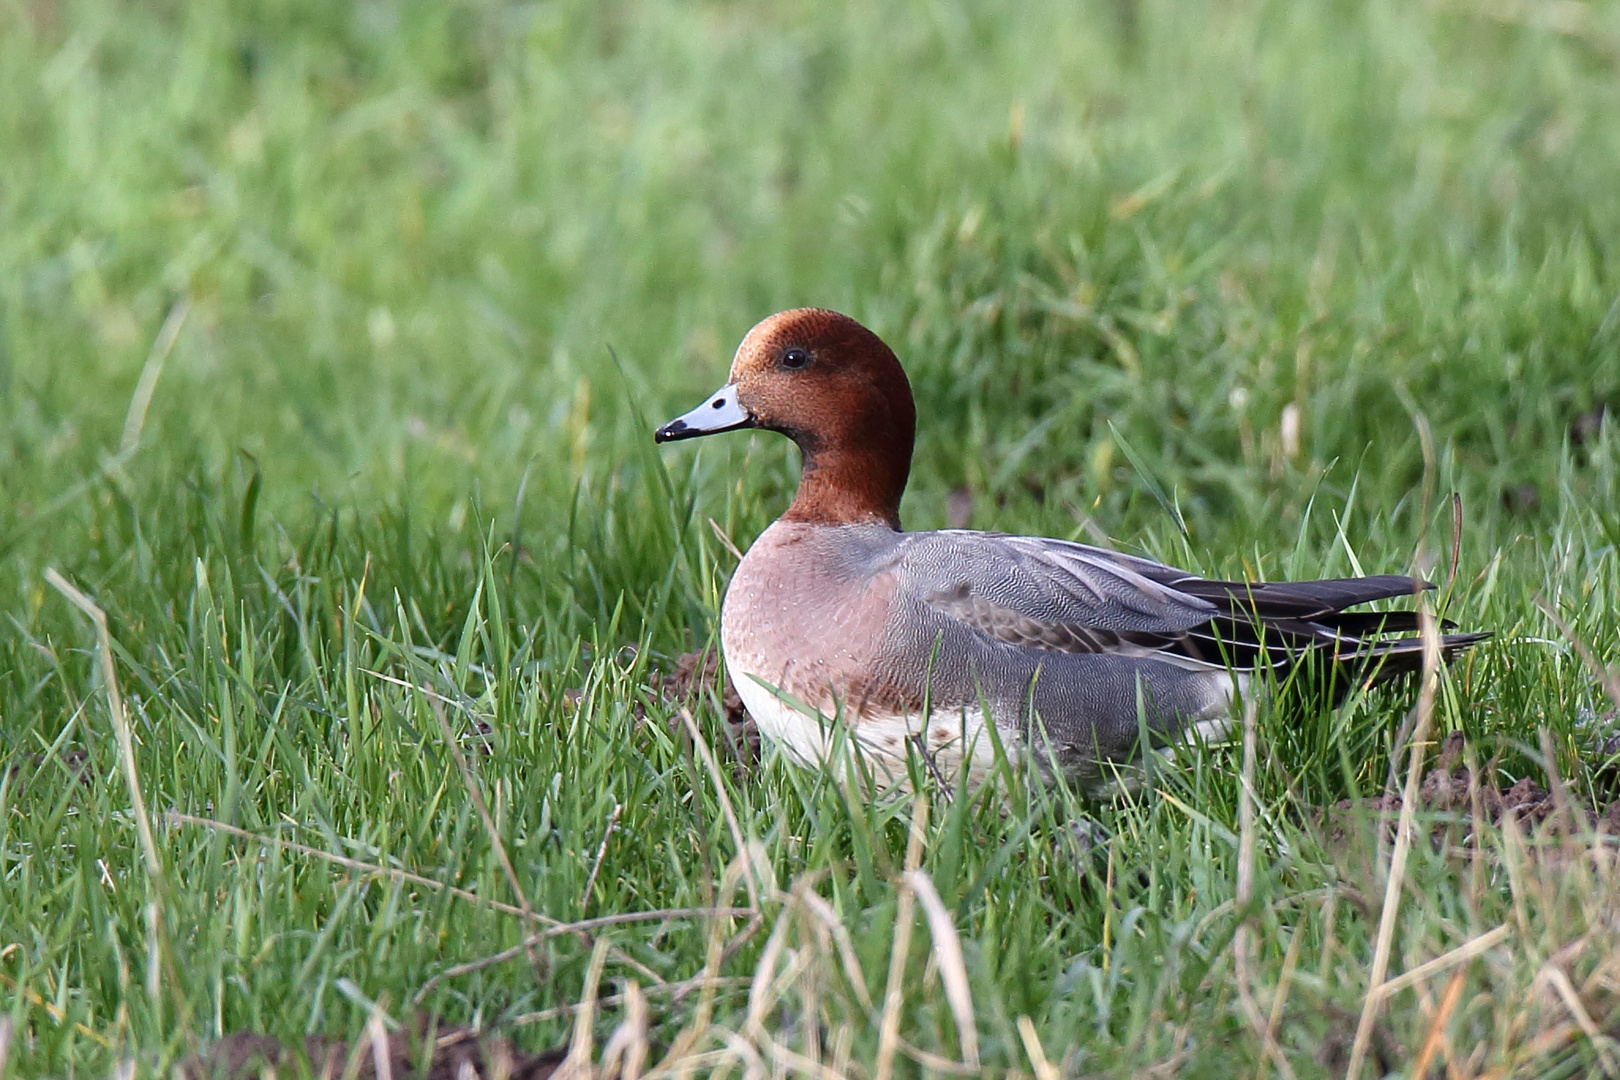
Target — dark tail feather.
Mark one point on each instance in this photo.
(1302, 599)
(1364, 623)
(1388, 659)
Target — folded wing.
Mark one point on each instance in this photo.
(1051, 594)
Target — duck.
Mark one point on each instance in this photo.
(842, 631)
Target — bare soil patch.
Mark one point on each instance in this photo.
(1449, 791)
(419, 1050)
(693, 675)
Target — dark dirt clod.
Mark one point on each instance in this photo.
(77, 763)
(688, 684)
(245, 1056)
(1603, 748)
(694, 673)
(1588, 425)
(1445, 789)
(1607, 745)
(1521, 498)
(1334, 1045)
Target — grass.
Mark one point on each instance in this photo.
(331, 340)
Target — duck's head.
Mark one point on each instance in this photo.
(832, 386)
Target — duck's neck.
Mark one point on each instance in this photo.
(849, 484)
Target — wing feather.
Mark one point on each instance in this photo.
(1052, 594)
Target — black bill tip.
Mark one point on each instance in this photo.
(674, 431)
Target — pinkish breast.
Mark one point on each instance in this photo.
(809, 619)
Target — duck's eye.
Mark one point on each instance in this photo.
(794, 359)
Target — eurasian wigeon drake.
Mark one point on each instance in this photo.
(915, 638)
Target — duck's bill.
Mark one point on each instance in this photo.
(720, 413)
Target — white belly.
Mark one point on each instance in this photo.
(957, 742)
(815, 737)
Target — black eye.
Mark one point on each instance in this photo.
(794, 359)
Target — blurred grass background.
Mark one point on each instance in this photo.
(431, 271)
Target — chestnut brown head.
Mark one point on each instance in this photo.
(834, 388)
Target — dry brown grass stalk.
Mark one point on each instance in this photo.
(894, 991)
(580, 931)
(701, 745)
(1403, 842)
(475, 791)
(952, 969)
(125, 740)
